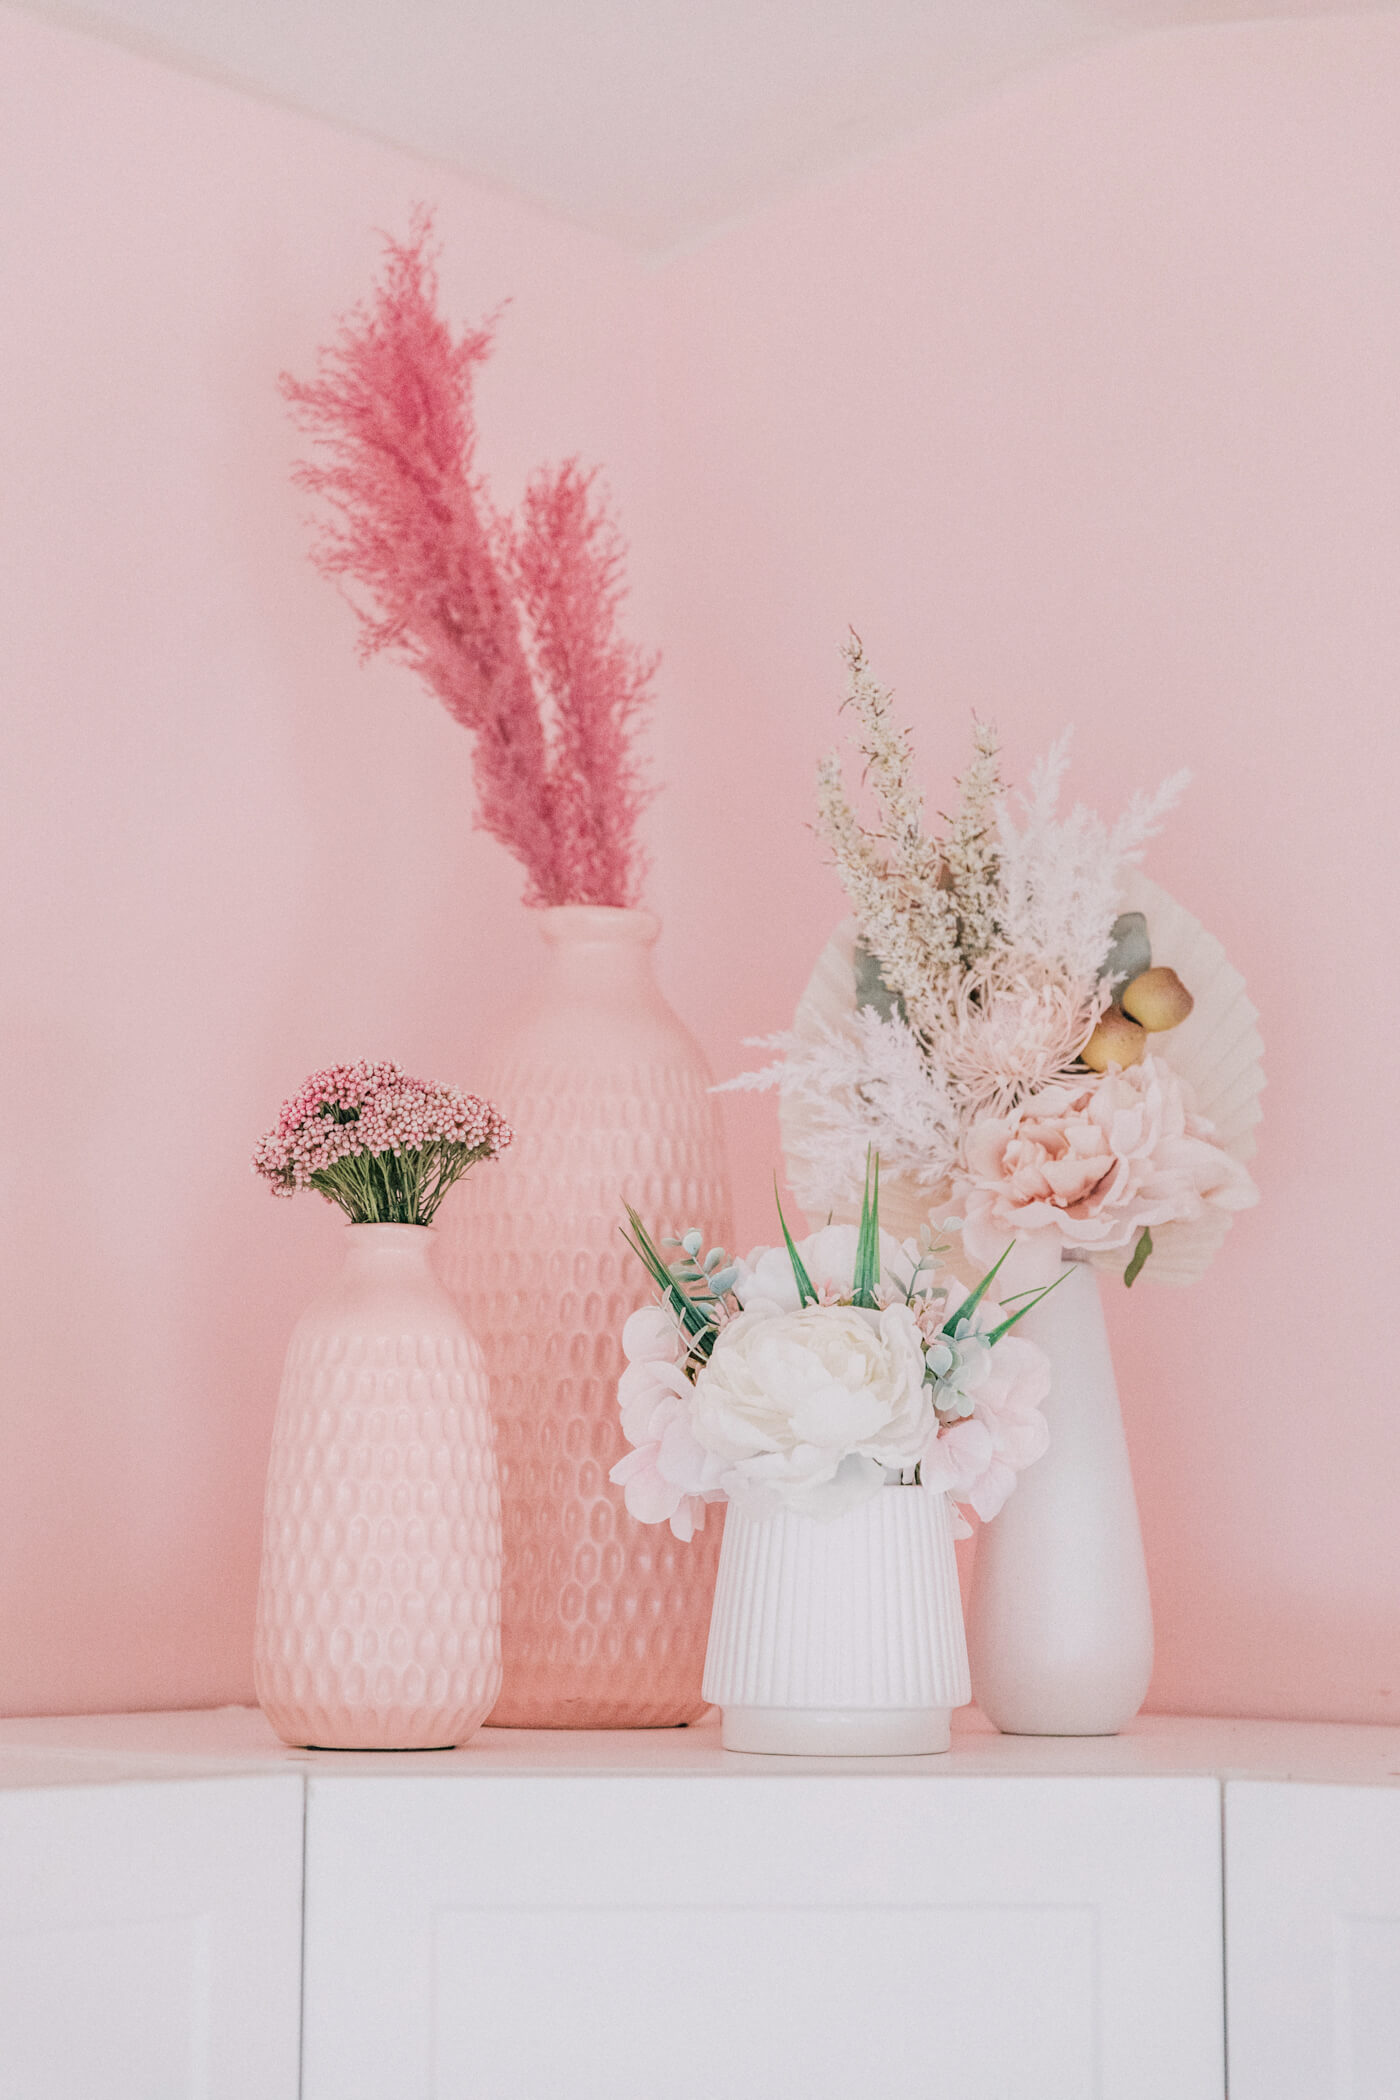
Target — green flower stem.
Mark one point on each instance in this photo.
(396, 1188)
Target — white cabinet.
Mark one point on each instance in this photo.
(646, 1917)
(624, 1937)
(1313, 1923)
(150, 1936)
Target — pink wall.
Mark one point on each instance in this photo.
(231, 854)
(1083, 407)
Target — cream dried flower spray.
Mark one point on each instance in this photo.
(998, 985)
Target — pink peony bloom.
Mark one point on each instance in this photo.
(651, 1335)
(666, 1477)
(976, 1460)
(1090, 1162)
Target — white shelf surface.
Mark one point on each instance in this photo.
(104, 1749)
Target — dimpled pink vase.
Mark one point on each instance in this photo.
(379, 1606)
(604, 1620)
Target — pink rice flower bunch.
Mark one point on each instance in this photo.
(382, 1145)
(512, 622)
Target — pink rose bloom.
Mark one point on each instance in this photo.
(667, 1477)
(976, 1460)
(1091, 1161)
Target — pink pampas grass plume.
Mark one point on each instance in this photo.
(512, 623)
(565, 561)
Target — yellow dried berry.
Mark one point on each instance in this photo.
(1116, 1041)
(1158, 999)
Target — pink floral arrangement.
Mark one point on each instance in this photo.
(808, 1375)
(1004, 1036)
(511, 621)
(383, 1146)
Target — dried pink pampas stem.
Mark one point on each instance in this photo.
(512, 622)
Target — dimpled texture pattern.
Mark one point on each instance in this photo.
(378, 1612)
(603, 1619)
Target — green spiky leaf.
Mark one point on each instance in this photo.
(1034, 1299)
(694, 1318)
(866, 1281)
(970, 1304)
(806, 1290)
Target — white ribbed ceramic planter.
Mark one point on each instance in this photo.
(841, 1638)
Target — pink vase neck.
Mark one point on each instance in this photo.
(564, 925)
(595, 950)
(599, 948)
(386, 1253)
(388, 1276)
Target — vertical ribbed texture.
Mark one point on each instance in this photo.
(860, 1613)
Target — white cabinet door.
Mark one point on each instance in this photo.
(800, 1938)
(150, 1938)
(1312, 1880)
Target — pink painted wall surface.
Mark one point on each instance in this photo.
(230, 853)
(1082, 407)
(1087, 408)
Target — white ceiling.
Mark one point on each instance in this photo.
(649, 120)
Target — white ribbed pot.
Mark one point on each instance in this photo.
(842, 1638)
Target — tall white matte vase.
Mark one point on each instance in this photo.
(839, 1638)
(378, 1622)
(603, 1619)
(1059, 1619)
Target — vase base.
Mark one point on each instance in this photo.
(593, 1715)
(387, 1749)
(1064, 1735)
(816, 1731)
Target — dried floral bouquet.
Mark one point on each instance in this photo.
(1000, 1056)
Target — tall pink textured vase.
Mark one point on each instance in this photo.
(603, 1620)
(1059, 1620)
(378, 1621)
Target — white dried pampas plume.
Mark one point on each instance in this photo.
(861, 1087)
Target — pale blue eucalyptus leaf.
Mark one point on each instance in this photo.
(1129, 950)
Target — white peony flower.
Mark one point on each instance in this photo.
(805, 1409)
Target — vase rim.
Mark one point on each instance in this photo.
(385, 1225)
(599, 922)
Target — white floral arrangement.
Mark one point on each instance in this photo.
(810, 1375)
(996, 1026)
